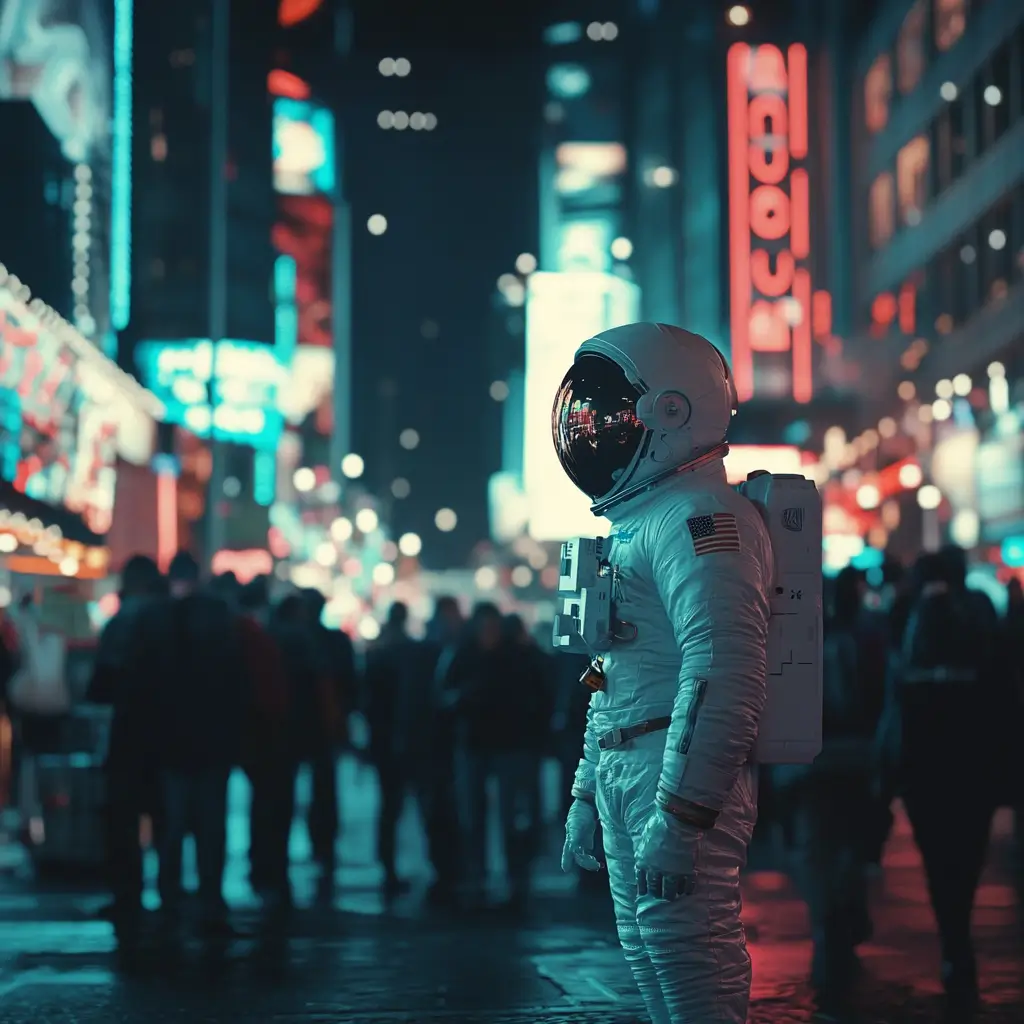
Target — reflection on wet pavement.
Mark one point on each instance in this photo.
(357, 961)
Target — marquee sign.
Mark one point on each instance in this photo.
(773, 308)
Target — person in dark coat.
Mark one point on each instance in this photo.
(131, 772)
(188, 646)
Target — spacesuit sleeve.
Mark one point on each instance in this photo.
(717, 603)
(584, 785)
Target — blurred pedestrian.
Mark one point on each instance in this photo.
(264, 751)
(313, 727)
(946, 714)
(189, 646)
(397, 705)
(438, 794)
(832, 801)
(501, 714)
(132, 779)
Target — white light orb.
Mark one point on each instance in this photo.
(352, 466)
(367, 520)
(485, 578)
(369, 629)
(526, 263)
(410, 544)
(383, 574)
(341, 530)
(446, 520)
(929, 497)
(304, 479)
(377, 224)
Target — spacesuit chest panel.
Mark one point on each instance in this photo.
(642, 629)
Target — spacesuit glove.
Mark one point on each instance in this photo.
(580, 833)
(666, 857)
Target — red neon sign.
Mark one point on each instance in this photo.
(772, 305)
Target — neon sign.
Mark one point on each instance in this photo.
(246, 380)
(772, 306)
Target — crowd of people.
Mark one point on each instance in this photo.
(922, 699)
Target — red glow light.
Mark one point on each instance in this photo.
(769, 217)
(284, 83)
(294, 12)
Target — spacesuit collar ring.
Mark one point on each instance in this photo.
(719, 451)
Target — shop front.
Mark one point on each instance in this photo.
(68, 418)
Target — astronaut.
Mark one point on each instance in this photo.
(639, 423)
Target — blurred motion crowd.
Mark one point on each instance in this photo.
(923, 698)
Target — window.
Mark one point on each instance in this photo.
(877, 93)
(912, 179)
(910, 48)
(996, 251)
(881, 210)
(950, 144)
(950, 17)
(994, 92)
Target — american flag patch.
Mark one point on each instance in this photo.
(714, 533)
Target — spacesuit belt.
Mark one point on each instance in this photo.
(616, 737)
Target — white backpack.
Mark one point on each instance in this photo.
(40, 685)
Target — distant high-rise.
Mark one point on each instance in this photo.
(172, 172)
(36, 227)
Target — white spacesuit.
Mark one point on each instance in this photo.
(639, 424)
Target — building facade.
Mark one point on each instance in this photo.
(937, 163)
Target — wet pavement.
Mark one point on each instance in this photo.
(357, 961)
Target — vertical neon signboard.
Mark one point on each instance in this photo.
(772, 306)
(121, 174)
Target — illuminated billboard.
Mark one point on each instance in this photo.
(304, 162)
(562, 311)
(303, 236)
(246, 379)
(773, 310)
(66, 412)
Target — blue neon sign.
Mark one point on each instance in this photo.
(121, 170)
(246, 378)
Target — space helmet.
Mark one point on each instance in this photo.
(639, 404)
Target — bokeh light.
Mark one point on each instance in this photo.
(409, 439)
(352, 466)
(446, 520)
(367, 520)
(410, 544)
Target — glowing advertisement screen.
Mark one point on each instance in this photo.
(303, 236)
(59, 423)
(246, 380)
(562, 311)
(64, 56)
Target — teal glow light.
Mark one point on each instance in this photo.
(121, 171)
(264, 477)
(317, 174)
(286, 315)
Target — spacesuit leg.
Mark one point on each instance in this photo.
(618, 851)
(695, 943)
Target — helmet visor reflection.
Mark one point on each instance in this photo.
(594, 424)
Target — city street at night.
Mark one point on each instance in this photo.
(508, 509)
(559, 965)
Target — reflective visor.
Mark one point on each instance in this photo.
(594, 424)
